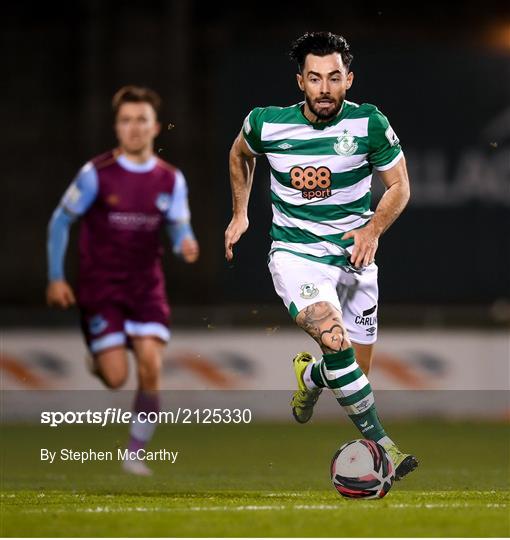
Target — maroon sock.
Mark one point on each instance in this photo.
(146, 402)
(135, 444)
(141, 433)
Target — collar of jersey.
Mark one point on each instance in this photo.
(130, 166)
(320, 125)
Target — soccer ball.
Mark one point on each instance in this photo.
(362, 469)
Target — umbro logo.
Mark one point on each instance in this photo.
(364, 424)
(285, 146)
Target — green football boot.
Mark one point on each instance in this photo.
(404, 463)
(303, 400)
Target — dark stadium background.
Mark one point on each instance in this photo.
(440, 72)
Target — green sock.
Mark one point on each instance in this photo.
(368, 424)
(316, 375)
(341, 373)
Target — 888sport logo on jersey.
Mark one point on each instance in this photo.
(314, 183)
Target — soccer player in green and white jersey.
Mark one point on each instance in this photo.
(322, 152)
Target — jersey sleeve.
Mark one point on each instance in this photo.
(177, 233)
(252, 130)
(82, 192)
(384, 145)
(178, 209)
(56, 246)
(77, 199)
(178, 214)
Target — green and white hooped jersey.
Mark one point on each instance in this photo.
(321, 174)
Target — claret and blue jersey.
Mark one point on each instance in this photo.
(122, 205)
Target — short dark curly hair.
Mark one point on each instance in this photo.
(320, 44)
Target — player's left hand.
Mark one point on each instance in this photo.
(366, 241)
(190, 250)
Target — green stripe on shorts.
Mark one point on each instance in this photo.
(293, 310)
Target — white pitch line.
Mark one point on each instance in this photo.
(256, 508)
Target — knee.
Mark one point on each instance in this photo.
(112, 368)
(320, 309)
(113, 380)
(314, 315)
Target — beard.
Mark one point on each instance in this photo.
(324, 114)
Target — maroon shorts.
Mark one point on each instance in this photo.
(112, 313)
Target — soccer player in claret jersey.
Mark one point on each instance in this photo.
(124, 197)
(321, 153)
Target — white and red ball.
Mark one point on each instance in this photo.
(362, 469)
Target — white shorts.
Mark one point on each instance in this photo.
(301, 282)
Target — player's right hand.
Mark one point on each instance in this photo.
(60, 294)
(237, 227)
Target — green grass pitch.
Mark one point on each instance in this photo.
(255, 480)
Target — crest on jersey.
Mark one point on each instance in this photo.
(345, 145)
(97, 324)
(72, 195)
(163, 202)
(308, 290)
